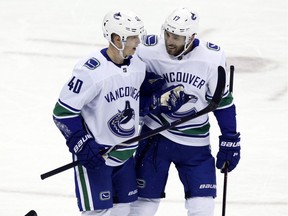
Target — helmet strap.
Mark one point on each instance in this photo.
(120, 49)
(186, 47)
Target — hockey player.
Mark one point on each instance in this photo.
(181, 58)
(99, 108)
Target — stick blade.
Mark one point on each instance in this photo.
(31, 213)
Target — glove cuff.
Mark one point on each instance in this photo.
(78, 140)
(229, 142)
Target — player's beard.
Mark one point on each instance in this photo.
(174, 50)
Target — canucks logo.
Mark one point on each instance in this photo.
(188, 111)
(117, 16)
(105, 195)
(150, 40)
(141, 183)
(212, 46)
(92, 63)
(122, 123)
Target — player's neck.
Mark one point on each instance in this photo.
(114, 55)
(189, 49)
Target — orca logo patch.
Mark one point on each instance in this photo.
(122, 123)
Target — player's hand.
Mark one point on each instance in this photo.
(169, 100)
(229, 152)
(86, 149)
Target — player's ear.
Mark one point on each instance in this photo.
(116, 39)
(191, 38)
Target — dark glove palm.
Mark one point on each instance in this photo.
(86, 150)
(89, 156)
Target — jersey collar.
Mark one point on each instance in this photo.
(195, 43)
(126, 61)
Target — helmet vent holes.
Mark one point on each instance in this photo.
(122, 23)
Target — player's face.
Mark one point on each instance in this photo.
(130, 46)
(174, 43)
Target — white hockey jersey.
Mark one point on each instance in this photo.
(106, 95)
(197, 72)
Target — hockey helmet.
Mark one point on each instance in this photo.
(182, 22)
(123, 23)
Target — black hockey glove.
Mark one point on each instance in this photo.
(229, 152)
(86, 149)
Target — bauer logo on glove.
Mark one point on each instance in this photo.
(230, 144)
(79, 144)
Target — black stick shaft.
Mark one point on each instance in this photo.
(231, 82)
(58, 170)
(212, 106)
(225, 189)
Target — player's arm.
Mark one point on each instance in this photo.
(229, 141)
(77, 92)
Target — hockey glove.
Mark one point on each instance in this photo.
(229, 152)
(152, 83)
(86, 149)
(168, 100)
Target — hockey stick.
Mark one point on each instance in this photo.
(224, 189)
(225, 169)
(31, 213)
(211, 106)
(231, 81)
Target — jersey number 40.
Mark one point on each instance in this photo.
(75, 85)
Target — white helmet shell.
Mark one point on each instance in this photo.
(123, 23)
(182, 22)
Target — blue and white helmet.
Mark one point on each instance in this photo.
(182, 22)
(123, 23)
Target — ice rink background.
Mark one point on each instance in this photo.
(40, 41)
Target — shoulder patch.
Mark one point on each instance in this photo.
(92, 63)
(212, 46)
(150, 40)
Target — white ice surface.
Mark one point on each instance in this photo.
(40, 42)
